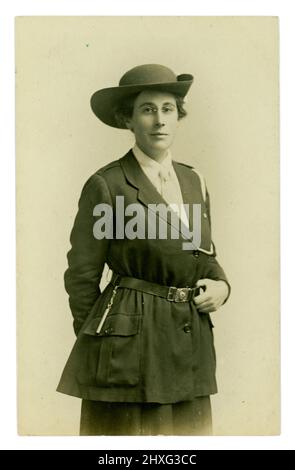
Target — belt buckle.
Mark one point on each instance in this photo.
(178, 294)
(171, 293)
(181, 294)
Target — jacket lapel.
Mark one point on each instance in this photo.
(147, 193)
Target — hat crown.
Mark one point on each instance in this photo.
(148, 74)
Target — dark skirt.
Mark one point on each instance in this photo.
(187, 418)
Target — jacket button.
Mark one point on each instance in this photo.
(205, 215)
(196, 253)
(187, 328)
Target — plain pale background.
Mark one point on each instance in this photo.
(230, 134)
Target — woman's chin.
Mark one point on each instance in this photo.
(160, 146)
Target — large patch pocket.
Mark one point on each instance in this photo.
(119, 352)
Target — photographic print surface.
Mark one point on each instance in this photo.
(230, 135)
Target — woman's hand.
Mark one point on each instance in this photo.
(213, 297)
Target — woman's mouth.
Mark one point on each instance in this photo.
(159, 134)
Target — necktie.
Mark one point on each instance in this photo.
(168, 193)
(165, 177)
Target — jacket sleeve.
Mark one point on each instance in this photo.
(214, 270)
(87, 255)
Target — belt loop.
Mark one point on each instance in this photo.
(194, 292)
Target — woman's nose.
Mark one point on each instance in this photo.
(159, 119)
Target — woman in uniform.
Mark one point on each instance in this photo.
(144, 360)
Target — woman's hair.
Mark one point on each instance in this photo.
(124, 109)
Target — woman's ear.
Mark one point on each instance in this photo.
(129, 124)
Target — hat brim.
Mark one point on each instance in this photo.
(103, 102)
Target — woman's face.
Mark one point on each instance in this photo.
(154, 122)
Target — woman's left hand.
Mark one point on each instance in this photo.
(213, 297)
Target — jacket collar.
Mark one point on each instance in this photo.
(147, 193)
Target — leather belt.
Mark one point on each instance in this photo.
(173, 294)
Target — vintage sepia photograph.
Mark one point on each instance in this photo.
(147, 154)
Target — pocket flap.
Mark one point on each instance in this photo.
(120, 324)
(116, 324)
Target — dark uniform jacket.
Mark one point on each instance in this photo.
(149, 348)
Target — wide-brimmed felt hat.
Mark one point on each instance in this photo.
(149, 76)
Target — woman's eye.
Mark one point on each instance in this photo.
(148, 110)
(167, 110)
